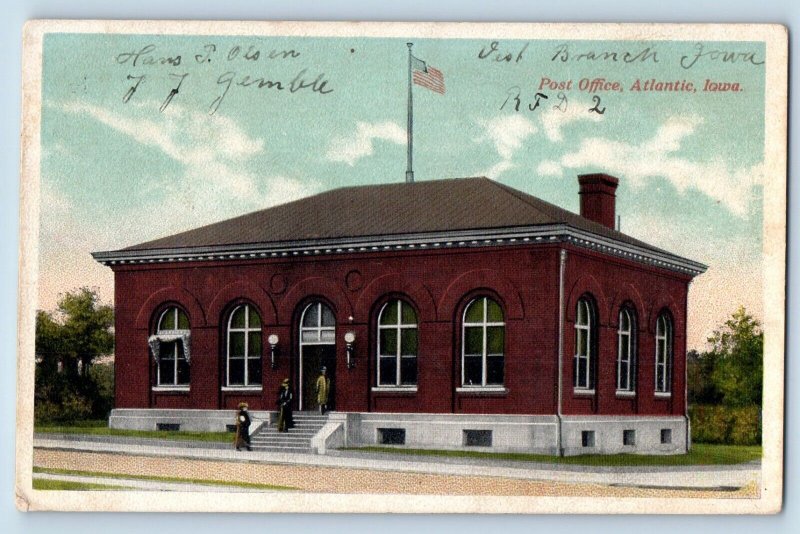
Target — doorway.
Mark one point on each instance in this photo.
(317, 350)
(314, 358)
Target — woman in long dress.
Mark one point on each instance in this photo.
(242, 428)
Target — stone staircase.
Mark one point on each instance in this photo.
(297, 439)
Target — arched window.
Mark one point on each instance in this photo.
(584, 349)
(663, 354)
(318, 324)
(243, 354)
(626, 351)
(483, 344)
(170, 348)
(397, 344)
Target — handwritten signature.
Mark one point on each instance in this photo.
(150, 56)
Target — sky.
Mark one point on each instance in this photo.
(121, 166)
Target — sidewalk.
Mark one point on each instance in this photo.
(723, 478)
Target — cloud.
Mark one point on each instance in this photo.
(185, 136)
(212, 181)
(553, 120)
(655, 157)
(360, 144)
(509, 133)
(215, 155)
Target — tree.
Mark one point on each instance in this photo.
(700, 378)
(737, 350)
(67, 344)
(82, 334)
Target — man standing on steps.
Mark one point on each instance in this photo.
(323, 390)
(242, 428)
(285, 419)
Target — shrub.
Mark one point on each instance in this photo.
(723, 424)
(71, 407)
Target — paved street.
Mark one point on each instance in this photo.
(380, 474)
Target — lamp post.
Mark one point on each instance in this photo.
(273, 348)
(349, 339)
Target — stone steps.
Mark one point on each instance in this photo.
(297, 439)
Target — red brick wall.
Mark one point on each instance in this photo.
(611, 284)
(438, 284)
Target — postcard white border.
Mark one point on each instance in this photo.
(774, 239)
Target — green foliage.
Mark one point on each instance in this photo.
(701, 454)
(47, 484)
(102, 375)
(725, 383)
(738, 349)
(100, 428)
(180, 480)
(69, 384)
(699, 375)
(725, 424)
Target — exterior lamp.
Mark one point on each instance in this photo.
(273, 348)
(350, 338)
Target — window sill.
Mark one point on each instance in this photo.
(623, 394)
(243, 389)
(395, 389)
(482, 389)
(173, 389)
(583, 392)
(663, 395)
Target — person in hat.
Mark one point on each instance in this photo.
(242, 428)
(323, 389)
(285, 420)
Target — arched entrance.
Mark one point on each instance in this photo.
(317, 350)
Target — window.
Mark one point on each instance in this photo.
(392, 436)
(244, 347)
(629, 438)
(397, 344)
(587, 438)
(318, 325)
(483, 344)
(663, 354)
(666, 436)
(477, 438)
(626, 347)
(583, 345)
(170, 348)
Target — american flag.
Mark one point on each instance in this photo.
(427, 76)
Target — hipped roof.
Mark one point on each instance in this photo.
(388, 210)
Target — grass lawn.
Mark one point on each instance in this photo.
(45, 484)
(204, 481)
(100, 428)
(701, 454)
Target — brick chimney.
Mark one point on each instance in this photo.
(598, 198)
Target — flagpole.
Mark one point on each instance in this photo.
(410, 125)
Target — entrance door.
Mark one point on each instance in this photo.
(317, 349)
(314, 358)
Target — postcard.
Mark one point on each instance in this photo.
(402, 267)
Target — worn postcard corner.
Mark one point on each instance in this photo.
(402, 267)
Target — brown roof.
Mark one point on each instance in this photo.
(386, 210)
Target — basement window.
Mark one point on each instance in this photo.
(168, 427)
(230, 428)
(392, 436)
(587, 438)
(478, 438)
(666, 436)
(629, 438)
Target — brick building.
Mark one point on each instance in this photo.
(449, 314)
